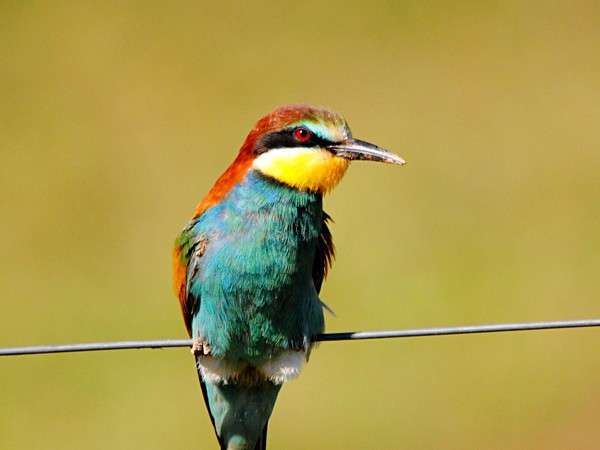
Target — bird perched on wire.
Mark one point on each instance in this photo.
(249, 265)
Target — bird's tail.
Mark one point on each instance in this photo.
(240, 413)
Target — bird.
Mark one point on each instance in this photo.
(249, 265)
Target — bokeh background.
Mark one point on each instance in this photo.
(117, 117)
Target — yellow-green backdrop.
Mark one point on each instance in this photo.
(116, 118)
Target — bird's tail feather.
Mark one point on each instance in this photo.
(240, 413)
(262, 442)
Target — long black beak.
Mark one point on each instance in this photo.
(352, 149)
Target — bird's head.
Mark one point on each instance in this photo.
(308, 148)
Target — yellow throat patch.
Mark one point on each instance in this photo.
(307, 169)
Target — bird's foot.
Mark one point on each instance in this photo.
(200, 347)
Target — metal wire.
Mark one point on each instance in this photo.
(357, 335)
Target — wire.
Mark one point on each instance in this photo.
(472, 329)
(348, 336)
(91, 347)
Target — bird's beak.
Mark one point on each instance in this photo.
(352, 149)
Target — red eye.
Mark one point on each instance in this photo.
(302, 134)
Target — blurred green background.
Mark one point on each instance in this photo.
(117, 117)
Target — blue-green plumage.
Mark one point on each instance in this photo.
(240, 413)
(250, 278)
(254, 283)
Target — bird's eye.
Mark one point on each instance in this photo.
(302, 134)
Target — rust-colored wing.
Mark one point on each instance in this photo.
(187, 253)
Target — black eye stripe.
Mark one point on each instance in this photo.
(285, 139)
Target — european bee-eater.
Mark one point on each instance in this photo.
(249, 265)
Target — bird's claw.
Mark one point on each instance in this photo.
(200, 347)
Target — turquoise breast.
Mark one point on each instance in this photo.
(255, 286)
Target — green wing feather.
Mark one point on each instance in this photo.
(324, 255)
